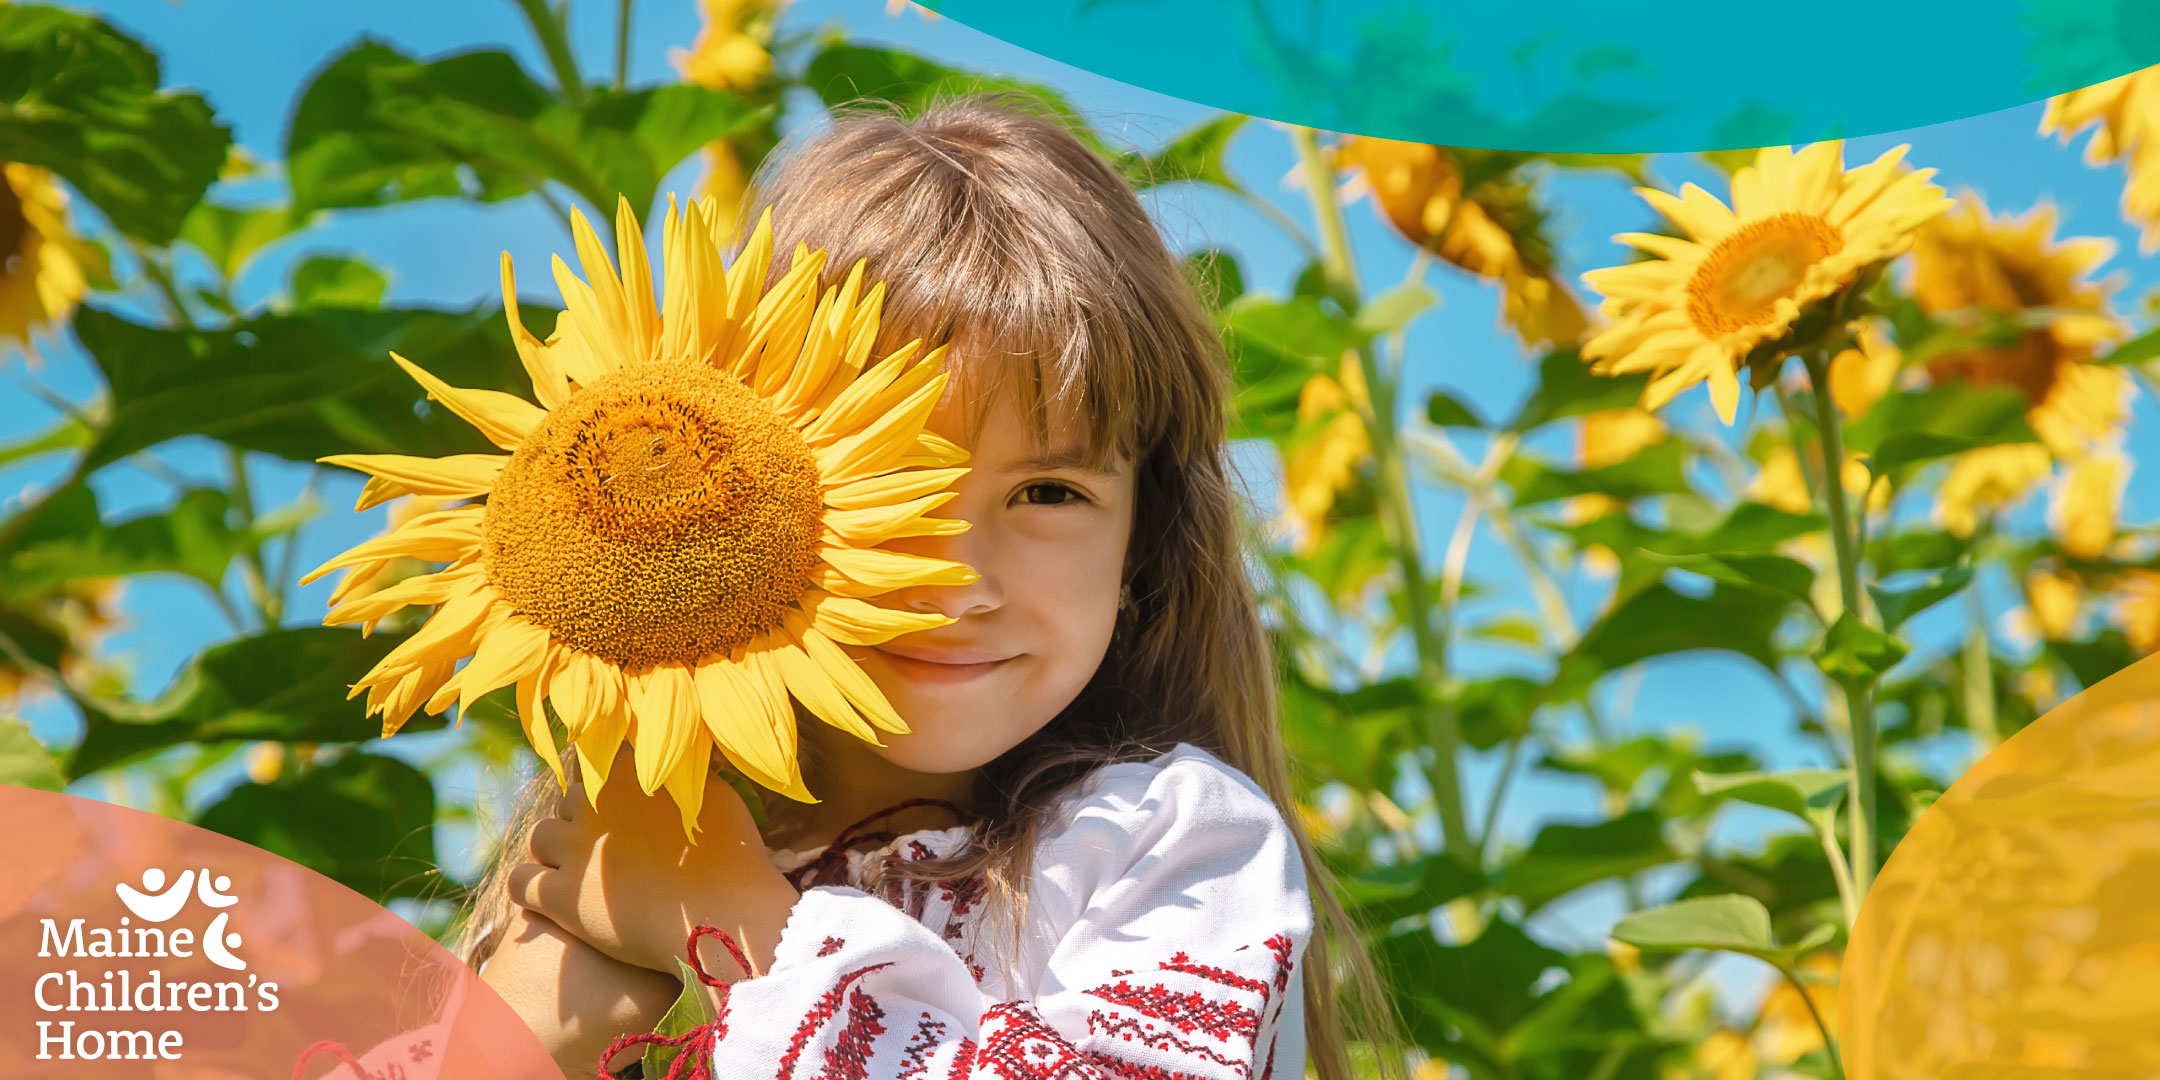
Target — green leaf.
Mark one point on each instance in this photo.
(1394, 309)
(1854, 651)
(1567, 388)
(231, 236)
(1748, 527)
(1446, 410)
(1217, 276)
(364, 821)
(285, 685)
(337, 281)
(1915, 549)
(1565, 858)
(2137, 350)
(1918, 426)
(66, 433)
(1659, 470)
(1491, 711)
(691, 1010)
(1778, 573)
(301, 386)
(377, 127)
(844, 73)
(1197, 154)
(81, 98)
(1393, 891)
(67, 541)
(1660, 620)
(24, 761)
(1808, 794)
(1738, 924)
(1900, 605)
(1620, 767)
(1276, 347)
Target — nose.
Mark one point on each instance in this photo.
(973, 548)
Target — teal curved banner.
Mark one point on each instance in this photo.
(1591, 76)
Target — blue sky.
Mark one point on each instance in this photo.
(251, 58)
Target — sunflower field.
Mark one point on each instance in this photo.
(1829, 420)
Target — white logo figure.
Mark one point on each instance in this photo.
(156, 903)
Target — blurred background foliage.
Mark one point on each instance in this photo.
(1992, 373)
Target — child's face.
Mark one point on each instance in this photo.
(1048, 537)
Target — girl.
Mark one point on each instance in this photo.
(1079, 862)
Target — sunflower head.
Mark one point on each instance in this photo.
(44, 267)
(686, 527)
(1752, 282)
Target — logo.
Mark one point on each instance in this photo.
(169, 915)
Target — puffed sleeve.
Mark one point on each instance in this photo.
(1174, 908)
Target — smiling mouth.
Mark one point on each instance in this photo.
(925, 666)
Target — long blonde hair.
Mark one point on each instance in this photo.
(997, 230)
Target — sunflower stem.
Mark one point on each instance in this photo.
(1979, 682)
(556, 43)
(253, 571)
(622, 44)
(1859, 704)
(1837, 1070)
(1443, 727)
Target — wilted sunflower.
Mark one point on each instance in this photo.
(44, 269)
(1330, 444)
(1971, 260)
(685, 528)
(1490, 232)
(2126, 110)
(1801, 229)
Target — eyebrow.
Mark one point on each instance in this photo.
(1065, 458)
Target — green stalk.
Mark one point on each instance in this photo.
(252, 570)
(622, 44)
(1859, 704)
(1837, 1068)
(556, 43)
(1979, 675)
(1443, 728)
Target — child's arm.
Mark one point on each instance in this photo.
(573, 997)
(1172, 912)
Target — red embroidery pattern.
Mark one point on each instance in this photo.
(1018, 1045)
(830, 946)
(915, 1060)
(823, 1011)
(849, 1056)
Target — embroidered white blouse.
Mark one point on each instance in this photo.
(1167, 914)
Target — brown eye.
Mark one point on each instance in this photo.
(1048, 494)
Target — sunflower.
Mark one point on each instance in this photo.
(1800, 230)
(1782, 482)
(2137, 609)
(44, 269)
(732, 50)
(1330, 444)
(2124, 110)
(1493, 232)
(1987, 479)
(1971, 260)
(2054, 600)
(2087, 502)
(1609, 437)
(685, 529)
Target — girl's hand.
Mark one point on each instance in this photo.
(626, 880)
(575, 999)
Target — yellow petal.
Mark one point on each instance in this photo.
(877, 524)
(456, 476)
(807, 681)
(434, 588)
(884, 385)
(541, 365)
(532, 714)
(849, 571)
(686, 782)
(858, 622)
(506, 419)
(846, 675)
(881, 445)
(608, 723)
(753, 730)
(510, 652)
(441, 536)
(889, 488)
(448, 633)
(663, 702)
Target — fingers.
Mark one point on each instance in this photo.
(572, 802)
(526, 882)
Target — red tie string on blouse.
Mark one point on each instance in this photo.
(694, 1048)
(830, 866)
